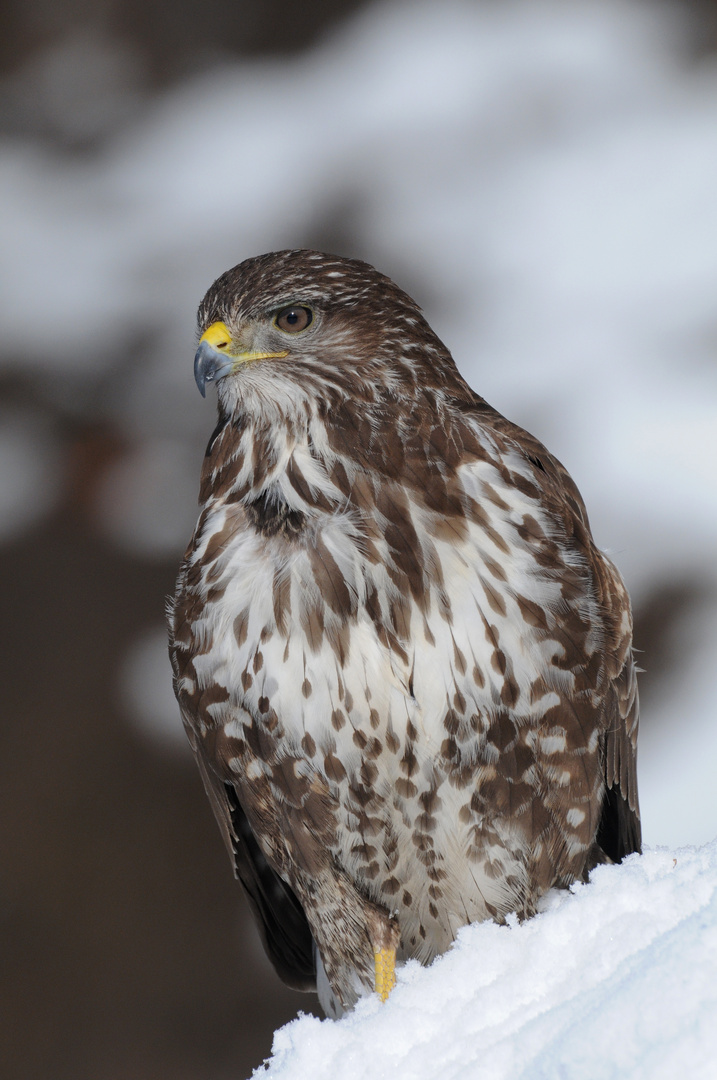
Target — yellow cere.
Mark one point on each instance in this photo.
(217, 335)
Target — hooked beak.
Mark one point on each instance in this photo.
(214, 358)
(209, 365)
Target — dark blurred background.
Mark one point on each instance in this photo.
(137, 142)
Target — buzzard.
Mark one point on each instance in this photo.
(403, 665)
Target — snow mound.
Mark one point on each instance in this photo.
(617, 978)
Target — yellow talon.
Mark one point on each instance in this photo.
(385, 961)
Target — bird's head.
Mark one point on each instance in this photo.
(320, 323)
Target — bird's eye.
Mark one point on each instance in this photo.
(294, 319)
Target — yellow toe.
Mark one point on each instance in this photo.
(385, 961)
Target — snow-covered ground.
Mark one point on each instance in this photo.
(616, 980)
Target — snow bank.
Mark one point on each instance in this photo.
(617, 978)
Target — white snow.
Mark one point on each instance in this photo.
(616, 980)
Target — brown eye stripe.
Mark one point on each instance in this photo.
(294, 319)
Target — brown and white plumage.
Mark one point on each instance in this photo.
(404, 667)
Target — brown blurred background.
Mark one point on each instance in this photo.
(127, 951)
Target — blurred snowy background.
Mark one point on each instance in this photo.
(541, 175)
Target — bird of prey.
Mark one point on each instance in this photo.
(404, 667)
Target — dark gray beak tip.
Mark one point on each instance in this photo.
(200, 373)
(209, 365)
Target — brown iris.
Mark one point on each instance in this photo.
(294, 319)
